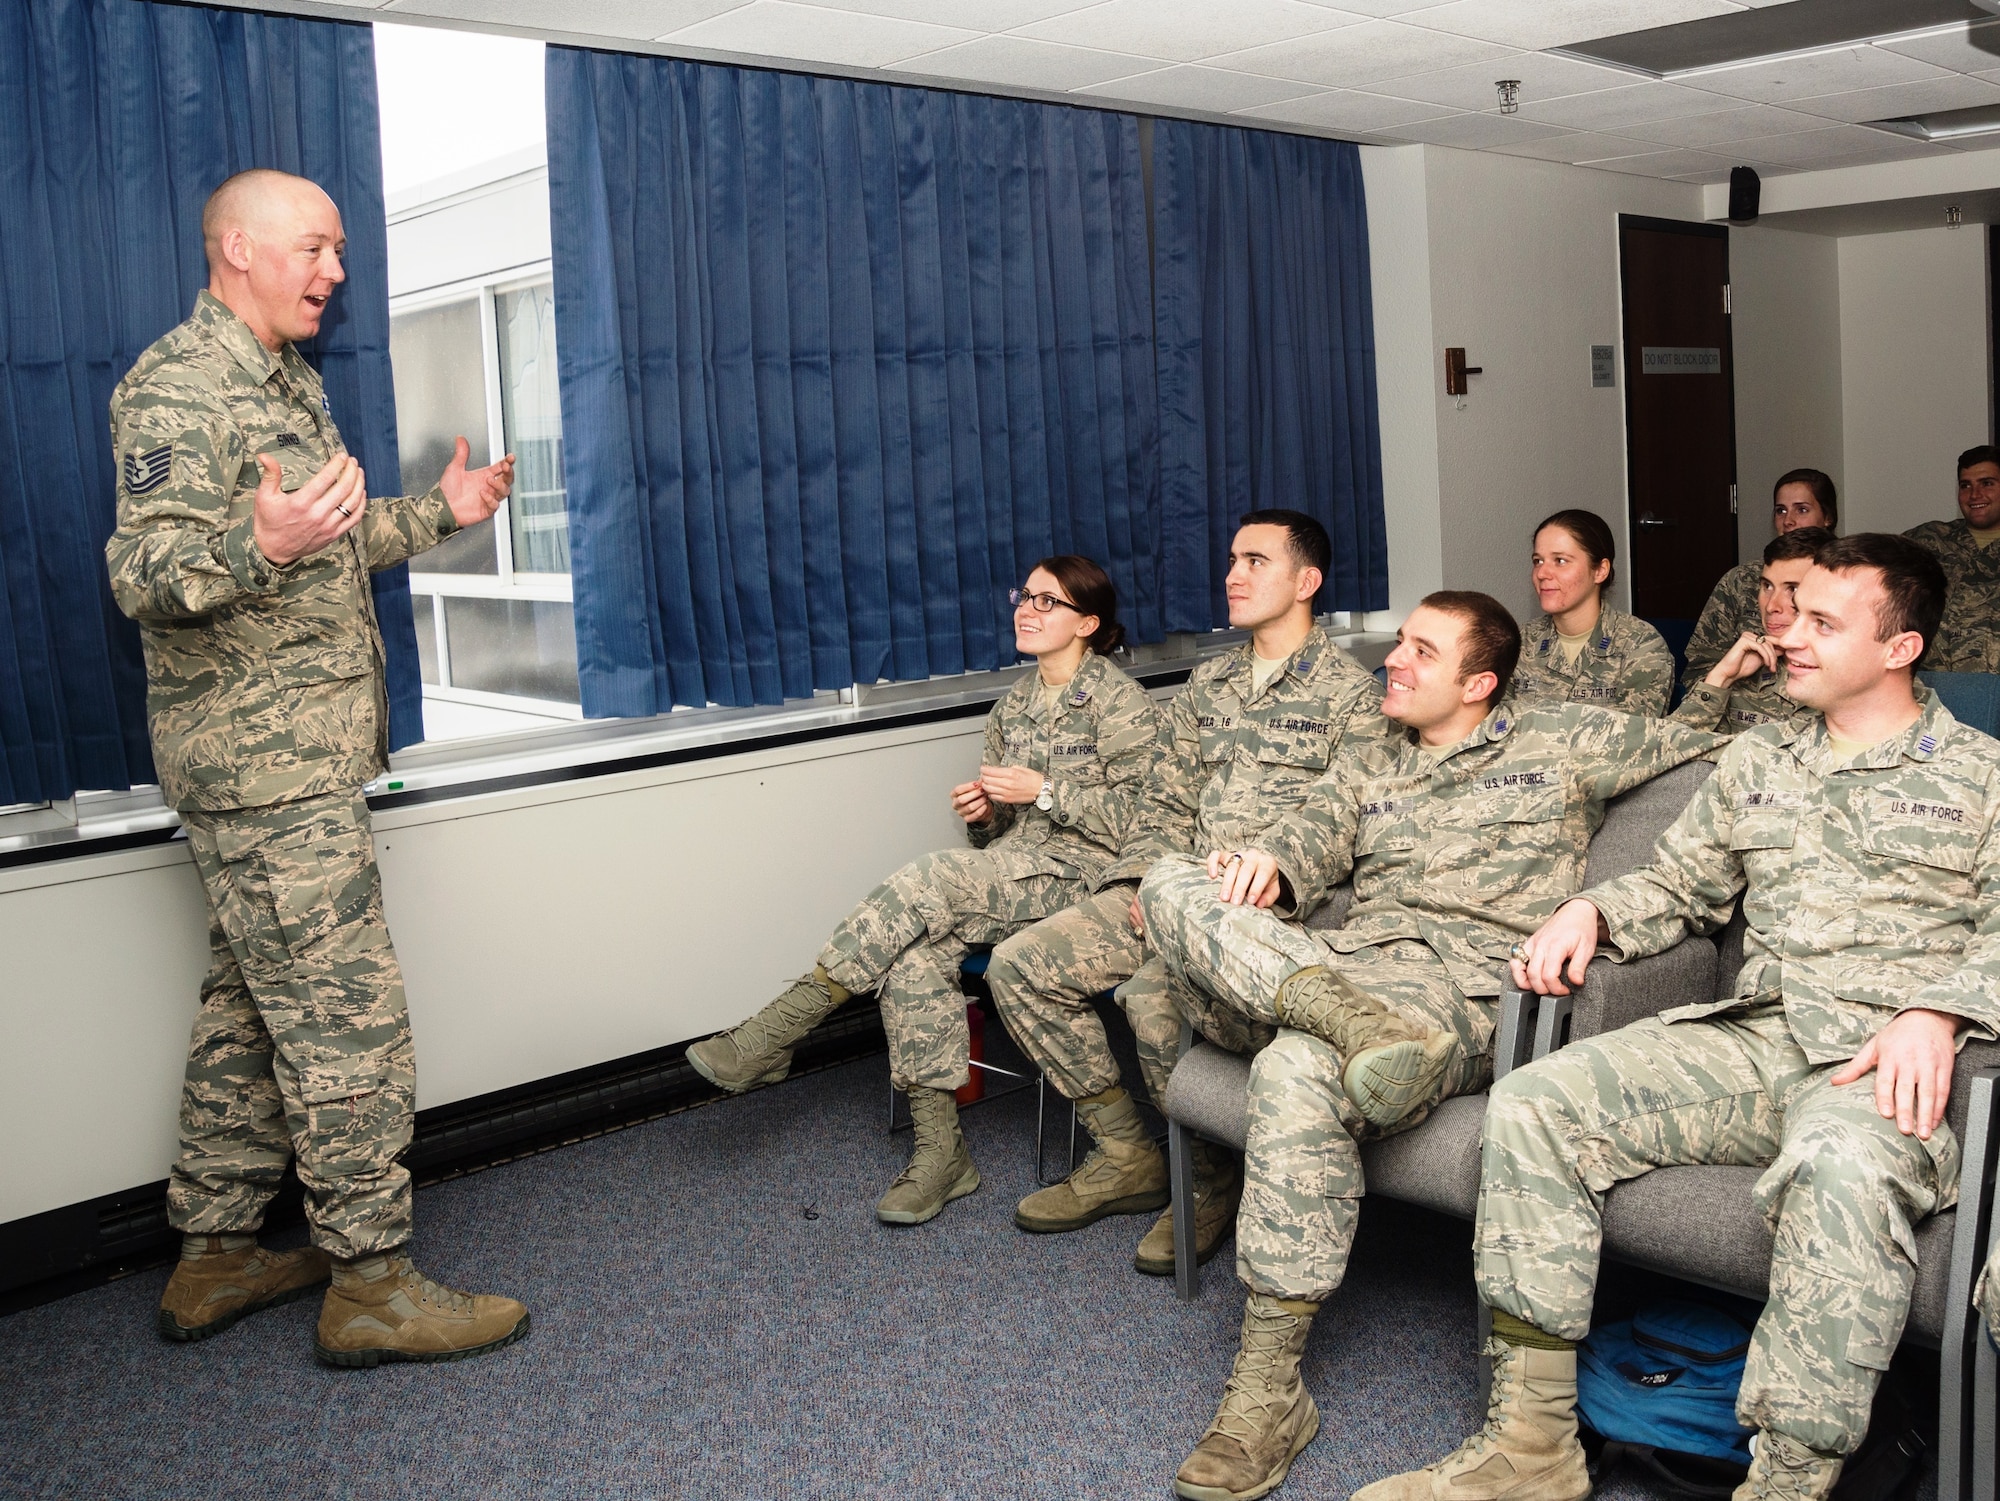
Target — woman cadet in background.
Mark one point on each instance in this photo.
(1580, 650)
(1066, 750)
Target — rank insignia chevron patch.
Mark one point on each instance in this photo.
(149, 470)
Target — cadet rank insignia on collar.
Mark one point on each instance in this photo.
(1499, 727)
(1927, 745)
(1079, 698)
(149, 470)
(1303, 666)
(325, 405)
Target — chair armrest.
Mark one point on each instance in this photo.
(1611, 996)
(1967, 1384)
(1513, 1038)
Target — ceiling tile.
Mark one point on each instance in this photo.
(1364, 54)
(1954, 92)
(1344, 109)
(1186, 31)
(1665, 163)
(1476, 132)
(1016, 62)
(1963, 49)
(1617, 109)
(1190, 87)
(1837, 71)
(1575, 146)
(791, 31)
(1541, 76)
(1718, 130)
(1380, 7)
(974, 15)
(1535, 24)
(1814, 148)
(636, 19)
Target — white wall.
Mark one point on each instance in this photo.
(540, 931)
(1785, 290)
(1914, 371)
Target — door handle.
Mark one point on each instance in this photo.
(1647, 518)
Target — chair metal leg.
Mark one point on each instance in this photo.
(1968, 1384)
(1180, 1169)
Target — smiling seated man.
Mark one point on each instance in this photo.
(1461, 836)
(1862, 841)
(1801, 498)
(1746, 687)
(1968, 638)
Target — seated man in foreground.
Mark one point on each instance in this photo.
(1461, 837)
(1862, 840)
(1746, 687)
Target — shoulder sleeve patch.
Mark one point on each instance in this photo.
(149, 470)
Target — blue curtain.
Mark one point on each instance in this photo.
(1266, 357)
(838, 362)
(119, 118)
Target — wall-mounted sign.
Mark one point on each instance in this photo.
(1661, 359)
(1603, 365)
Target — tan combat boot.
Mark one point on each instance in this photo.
(759, 1051)
(1783, 1469)
(1389, 1065)
(1267, 1416)
(1526, 1452)
(223, 1279)
(940, 1167)
(380, 1308)
(1218, 1188)
(1124, 1173)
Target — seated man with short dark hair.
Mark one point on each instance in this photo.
(1968, 638)
(1747, 687)
(1862, 841)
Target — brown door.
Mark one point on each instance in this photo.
(1680, 412)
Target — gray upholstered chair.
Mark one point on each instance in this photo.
(1696, 1223)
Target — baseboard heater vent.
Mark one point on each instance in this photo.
(50, 1255)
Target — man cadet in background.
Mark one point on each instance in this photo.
(244, 543)
(1245, 738)
(1863, 842)
(1800, 499)
(1463, 837)
(1969, 638)
(1747, 687)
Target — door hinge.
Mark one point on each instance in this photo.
(1732, 500)
(1725, 299)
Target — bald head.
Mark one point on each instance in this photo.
(274, 244)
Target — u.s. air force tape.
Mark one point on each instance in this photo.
(149, 470)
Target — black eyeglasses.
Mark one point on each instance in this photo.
(1043, 603)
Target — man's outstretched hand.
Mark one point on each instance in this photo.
(475, 494)
(293, 524)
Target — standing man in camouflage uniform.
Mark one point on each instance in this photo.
(1470, 833)
(1746, 687)
(1863, 842)
(1801, 498)
(245, 539)
(1969, 639)
(1246, 737)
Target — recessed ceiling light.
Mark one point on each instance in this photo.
(1799, 28)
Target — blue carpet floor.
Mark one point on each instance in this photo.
(718, 1314)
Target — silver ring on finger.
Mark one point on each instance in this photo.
(1520, 952)
(342, 509)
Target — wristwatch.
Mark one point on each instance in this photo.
(1046, 798)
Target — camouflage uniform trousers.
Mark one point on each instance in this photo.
(1842, 1192)
(1044, 979)
(907, 938)
(1302, 1178)
(302, 1047)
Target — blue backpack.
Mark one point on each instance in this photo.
(1667, 1380)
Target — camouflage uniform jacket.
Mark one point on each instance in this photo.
(1731, 610)
(1625, 665)
(1095, 744)
(1470, 849)
(1232, 759)
(1868, 888)
(1743, 705)
(264, 684)
(1969, 639)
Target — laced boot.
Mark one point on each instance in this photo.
(1528, 1449)
(759, 1051)
(1389, 1064)
(380, 1308)
(1124, 1173)
(223, 1279)
(1783, 1469)
(940, 1167)
(1218, 1187)
(1267, 1416)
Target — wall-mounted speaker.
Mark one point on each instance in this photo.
(1745, 187)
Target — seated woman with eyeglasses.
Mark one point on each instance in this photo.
(1066, 750)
